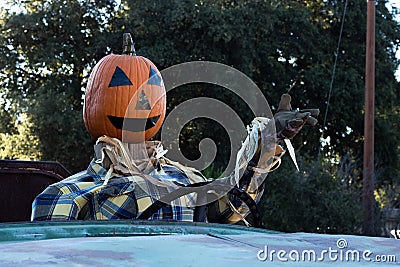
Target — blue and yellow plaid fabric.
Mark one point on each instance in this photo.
(83, 196)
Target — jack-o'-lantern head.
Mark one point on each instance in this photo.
(125, 97)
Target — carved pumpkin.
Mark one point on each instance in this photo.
(125, 97)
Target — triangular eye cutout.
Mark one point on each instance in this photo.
(154, 78)
(143, 102)
(119, 78)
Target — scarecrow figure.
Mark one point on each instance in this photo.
(132, 179)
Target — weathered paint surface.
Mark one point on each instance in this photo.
(127, 243)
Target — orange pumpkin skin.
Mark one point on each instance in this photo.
(118, 89)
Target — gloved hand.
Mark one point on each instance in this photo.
(288, 122)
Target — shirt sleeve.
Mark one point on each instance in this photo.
(63, 200)
(258, 155)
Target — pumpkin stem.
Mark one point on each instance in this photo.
(127, 45)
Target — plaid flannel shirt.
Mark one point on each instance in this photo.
(92, 195)
(84, 196)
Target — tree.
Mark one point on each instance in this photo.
(49, 47)
(312, 200)
(21, 143)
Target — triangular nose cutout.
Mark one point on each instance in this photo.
(143, 102)
(154, 78)
(119, 78)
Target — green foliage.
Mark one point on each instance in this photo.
(47, 52)
(56, 122)
(7, 121)
(312, 200)
(22, 143)
(388, 196)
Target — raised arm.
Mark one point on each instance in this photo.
(260, 154)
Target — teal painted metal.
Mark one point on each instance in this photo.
(69, 229)
(155, 243)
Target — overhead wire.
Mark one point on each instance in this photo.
(333, 74)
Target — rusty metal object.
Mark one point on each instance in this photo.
(21, 182)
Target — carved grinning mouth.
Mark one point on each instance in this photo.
(133, 124)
